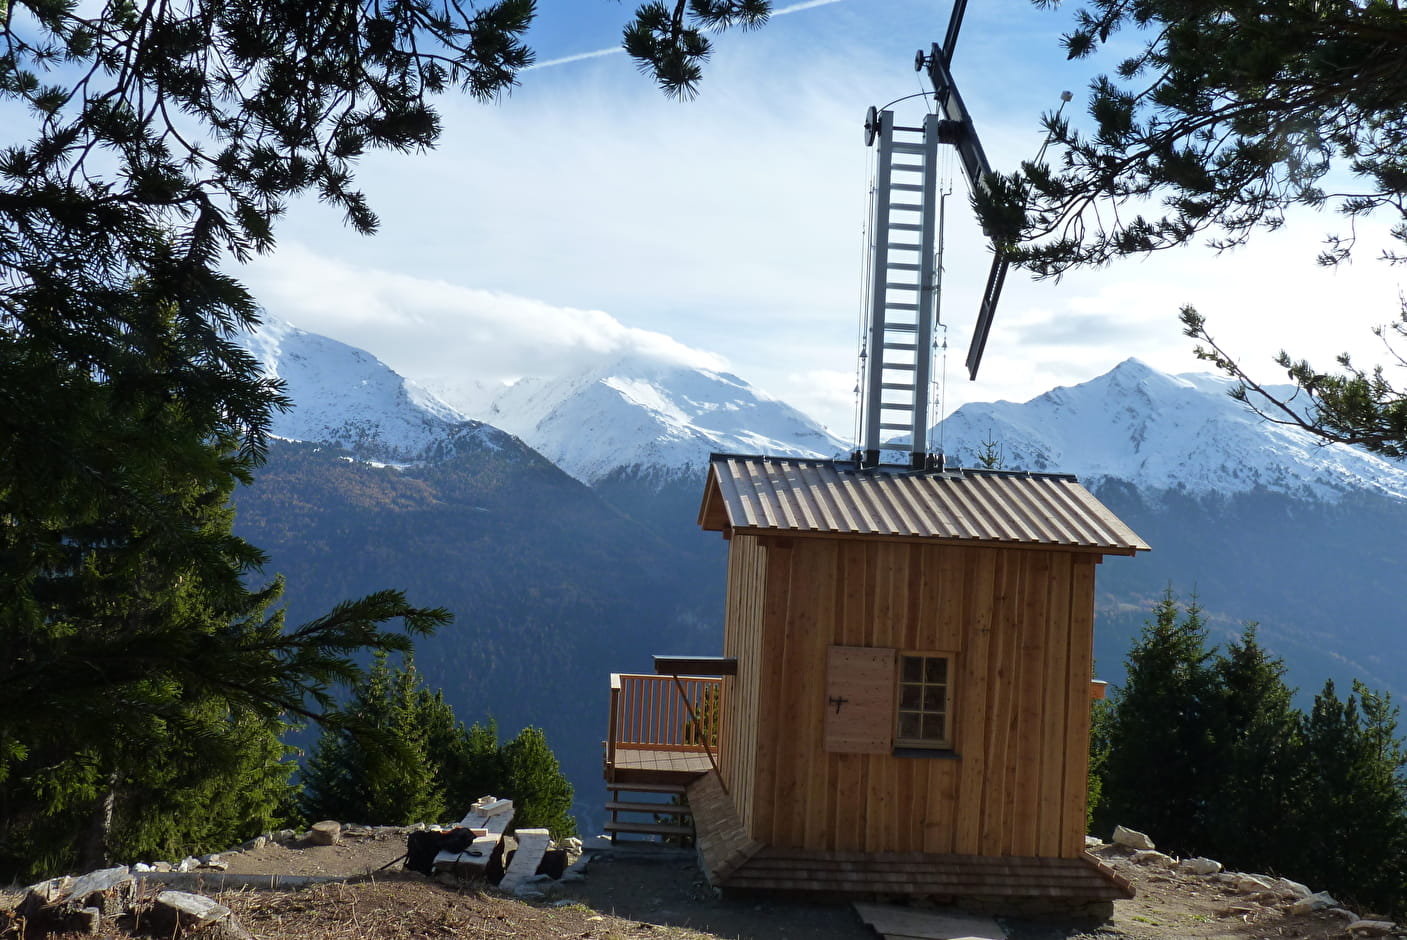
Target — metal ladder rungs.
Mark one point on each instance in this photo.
(900, 266)
(900, 246)
(907, 168)
(895, 427)
(901, 146)
(906, 206)
(899, 366)
(897, 306)
(910, 347)
(904, 227)
(895, 285)
(897, 387)
(907, 187)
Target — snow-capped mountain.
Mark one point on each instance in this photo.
(647, 414)
(347, 397)
(1165, 432)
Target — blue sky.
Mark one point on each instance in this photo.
(585, 214)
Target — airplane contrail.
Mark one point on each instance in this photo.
(598, 53)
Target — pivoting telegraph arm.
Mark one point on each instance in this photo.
(957, 129)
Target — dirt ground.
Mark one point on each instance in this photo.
(658, 893)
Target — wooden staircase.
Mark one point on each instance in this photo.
(653, 750)
(642, 817)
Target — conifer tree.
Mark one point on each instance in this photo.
(404, 757)
(542, 796)
(1158, 737)
(1352, 828)
(135, 651)
(381, 768)
(1252, 778)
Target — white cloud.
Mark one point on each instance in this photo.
(441, 332)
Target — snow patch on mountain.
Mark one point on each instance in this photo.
(1165, 432)
(645, 413)
(347, 397)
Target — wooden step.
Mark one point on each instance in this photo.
(649, 829)
(674, 789)
(663, 809)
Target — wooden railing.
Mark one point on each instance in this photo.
(648, 713)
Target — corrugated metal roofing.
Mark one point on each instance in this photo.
(783, 494)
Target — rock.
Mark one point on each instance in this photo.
(528, 893)
(189, 863)
(1315, 902)
(572, 877)
(1251, 884)
(1152, 859)
(143, 867)
(1092, 842)
(1291, 889)
(256, 843)
(1132, 838)
(1199, 866)
(327, 832)
(285, 835)
(176, 912)
(160, 866)
(1342, 914)
(565, 902)
(217, 864)
(1371, 928)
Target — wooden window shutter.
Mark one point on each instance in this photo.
(860, 699)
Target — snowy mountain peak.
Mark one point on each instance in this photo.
(1165, 432)
(347, 397)
(646, 413)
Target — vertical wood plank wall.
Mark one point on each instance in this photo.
(742, 638)
(1020, 623)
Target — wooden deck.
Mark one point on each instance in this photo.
(653, 736)
(688, 764)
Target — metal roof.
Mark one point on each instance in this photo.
(823, 497)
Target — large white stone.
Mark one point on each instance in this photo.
(1253, 884)
(1315, 902)
(1132, 838)
(1199, 866)
(1371, 928)
(1152, 858)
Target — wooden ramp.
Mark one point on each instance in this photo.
(905, 923)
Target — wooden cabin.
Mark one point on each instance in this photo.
(905, 697)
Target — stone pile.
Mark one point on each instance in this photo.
(1249, 895)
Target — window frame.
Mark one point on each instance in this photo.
(945, 743)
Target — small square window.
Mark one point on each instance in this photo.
(925, 700)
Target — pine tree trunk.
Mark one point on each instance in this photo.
(93, 854)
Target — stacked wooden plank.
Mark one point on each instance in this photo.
(489, 816)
